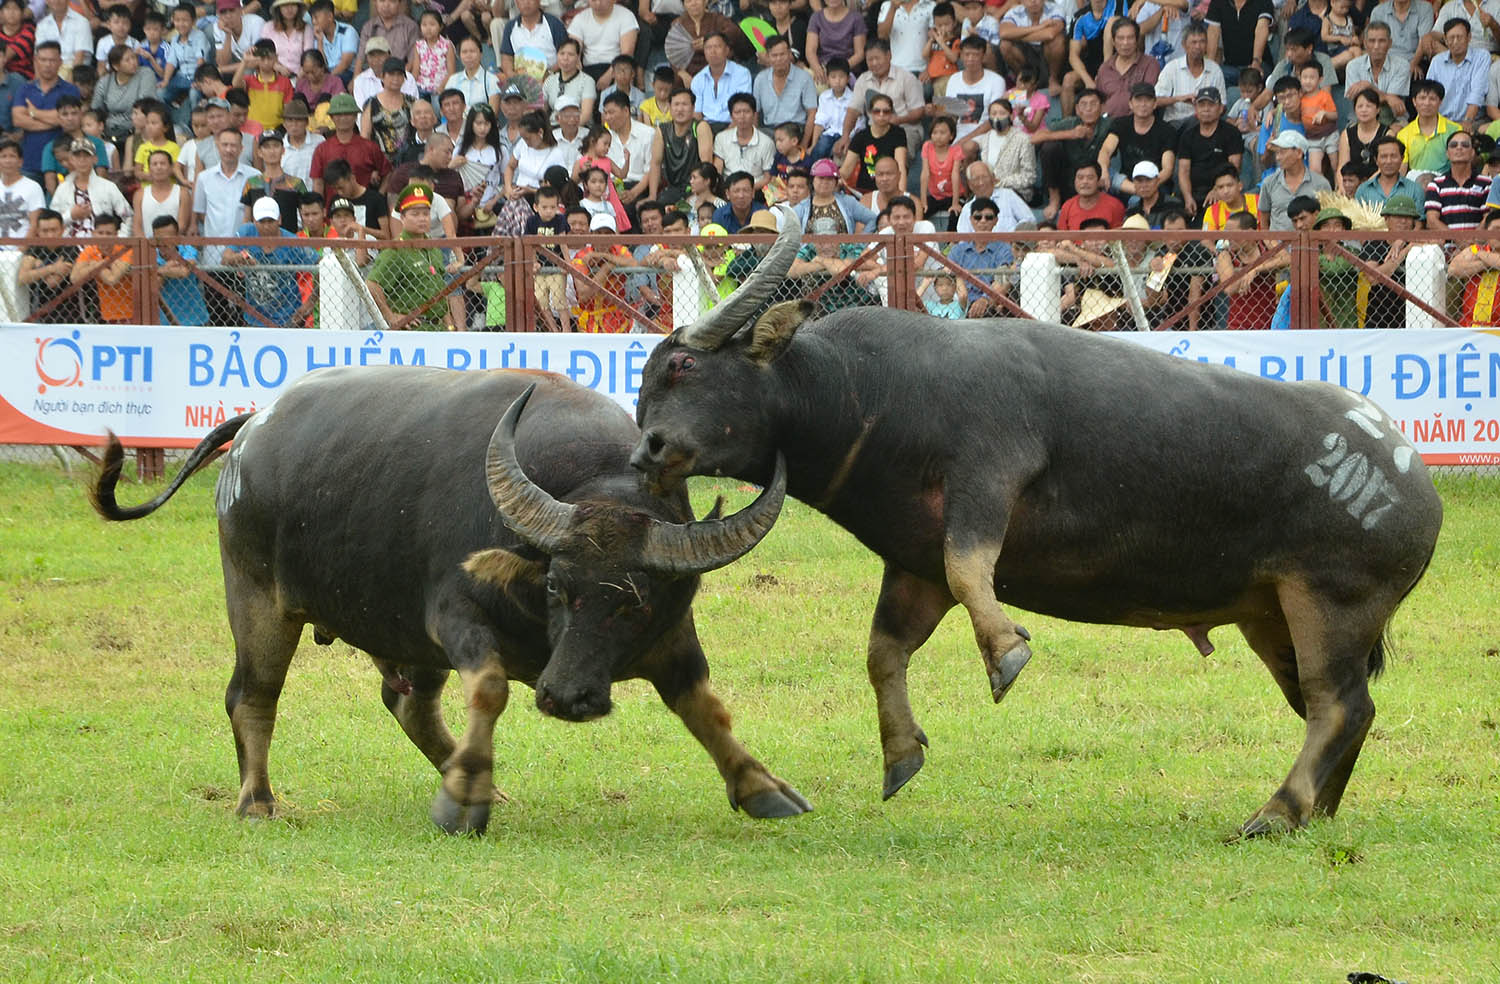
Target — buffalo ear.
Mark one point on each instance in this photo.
(773, 331)
(504, 568)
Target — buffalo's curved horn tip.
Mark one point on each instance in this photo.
(526, 507)
(695, 548)
(732, 313)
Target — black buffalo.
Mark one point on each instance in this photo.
(386, 507)
(1071, 474)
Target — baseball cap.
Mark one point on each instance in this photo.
(341, 205)
(378, 43)
(564, 102)
(602, 221)
(512, 91)
(824, 168)
(342, 104)
(265, 207)
(216, 103)
(1143, 89)
(83, 145)
(1145, 169)
(1208, 94)
(1288, 140)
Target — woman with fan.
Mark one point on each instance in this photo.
(684, 41)
(788, 24)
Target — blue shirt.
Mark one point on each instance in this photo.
(713, 95)
(971, 257)
(1464, 84)
(50, 164)
(34, 142)
(345, 41)
(273, 293)
(1370, 193)
(183, 296)
(187, 52)
(724, 215)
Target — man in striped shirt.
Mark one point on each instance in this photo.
(1456, 200)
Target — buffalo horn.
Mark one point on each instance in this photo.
(733, 312)
(526, 507)
(705, 545)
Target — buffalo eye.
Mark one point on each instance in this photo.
(680, 364)
(553, 586)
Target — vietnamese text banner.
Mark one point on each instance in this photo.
(167, 386)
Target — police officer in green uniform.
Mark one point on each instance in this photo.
(402, 280)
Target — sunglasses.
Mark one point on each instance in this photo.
(1460, 143)
(984, 217)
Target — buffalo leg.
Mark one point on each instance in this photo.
(906, 613)
(264, 642)
(1332, 646)
(970, 569)
(418, 709)
(463, 801)
(679, 671)
(1272, 641)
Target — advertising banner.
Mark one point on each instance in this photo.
(167, 386)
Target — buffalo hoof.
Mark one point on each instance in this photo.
(256, 807)
(453, 817)
(897, 775)
(1264, 824)
(1011, 664)
(773, 804)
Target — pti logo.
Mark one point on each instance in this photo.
(59, 362)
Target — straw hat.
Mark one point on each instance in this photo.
(1095, 305)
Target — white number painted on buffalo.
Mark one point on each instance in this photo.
(1352, 479)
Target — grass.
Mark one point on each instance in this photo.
(1075, 833)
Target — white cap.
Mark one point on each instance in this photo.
(265, 208)
(1145, 169)
(602, 221)
(565, 102)
(1288, 140)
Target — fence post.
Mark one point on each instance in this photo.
(1041, 287)
(899, 271)
(1427, 278)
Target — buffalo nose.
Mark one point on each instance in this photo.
(648, 452)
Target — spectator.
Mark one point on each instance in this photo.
(72, 36)
(605, 30)
(869, 144)
(1479, 266)
(423, 128)
(833, 32)
(370, 207)
(1228, 197)
(1338, 280)
(1185, 76)
(1011, 210)
(790, 24)
(1380, 70)
(386, 117)
(1090, 201)
(286, 190)
(1126, 71)
(902, 221)
(1249, 119)
(1463, 71)
(654, 111)
(289, 34)
(631, 147)
(974, 86)
(217, 194)
(344, 224)
(905, 25)
(45, 272)
(1409, 21)
(704, 193)
(180, 294)
(1033, 32)
(1456, 200)
(17, 44)
(477, 83)
(943, 302)
(1388, 181)
(1252, 296)
(160, 194)
(272, 295)
(104, 273)
(528, 43)
(367, 83)
(70, 120)
(1480, 20)
(974, 20)
(942, 50)
(823, 263)
(1301, 50)
(833, 107)
(982, 259)
(845, 215)
(434, 59)
(1357, 142)
(387, 22)
(1136, 138)
(83, 194)
(549, 284)
(1386, 308)
(336, 41)
(363, 156)
(622, 79)
(1241, 30)
(188, 49)
(785, 93)
(571, 80)
(120, 89)
(905, 92)
(34, 107)
(21, 199)
(1203, 150)
(1065, 148)
(1148, 201)
(595, 311)
(942, 180)
(744, 146)
(1182, 284)
(512, 108)
(298, 146)
(437, 154)
(734, 214)
(1319, 116)
(1008, 152)
(887, 187)
(1425, 137)
(266, 88)
(234, 32)
(719, 80)
(1289, 181)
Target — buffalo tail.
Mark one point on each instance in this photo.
(102, 492)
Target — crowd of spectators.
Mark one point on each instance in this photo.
(403, 119)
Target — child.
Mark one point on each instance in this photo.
(186, 167)
(1320, 118)
(978, 20)
(187, 49)
(85, 78)
(1349, 179)
(1286, 115)
(550, 284)
(267, 88)
(597, 192)
(654, 110)
(93, 126)
(946, 304)
(432, 59)
(116, 302)
(942, 168)
(154, 52)
(833, 104)
(155, 134)
(1029, 103)
(942, 50)
(622, 79)
(596, 157)
(1340, 34)
(1243, 114)
(788, 140)
(117, 19)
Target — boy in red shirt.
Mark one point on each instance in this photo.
(268, 89)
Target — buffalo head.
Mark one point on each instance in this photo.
(707, 390)
(616, 571)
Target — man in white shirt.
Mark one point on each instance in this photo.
(981, 181)
(217, 192)
(632, 136)
(901, 86)
(975, 85)
(1178, 84)
(71, 31)
(296, 159)
(605, 30)
(234, 33)
(1034, 30)
(527, 43)
(20, 197)
(905, 24)
(742, 146)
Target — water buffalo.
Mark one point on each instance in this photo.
(1071, 474)
(386, 507)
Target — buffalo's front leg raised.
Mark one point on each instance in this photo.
(462, 804)
(679, 671)
(907, 611)
(970, 567)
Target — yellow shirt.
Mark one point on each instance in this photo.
(146, 148)
(653, 113)
(1425, 153)
(1218, 213)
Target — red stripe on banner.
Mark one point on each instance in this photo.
(17, 428)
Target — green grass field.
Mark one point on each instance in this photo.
(1074, 833)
